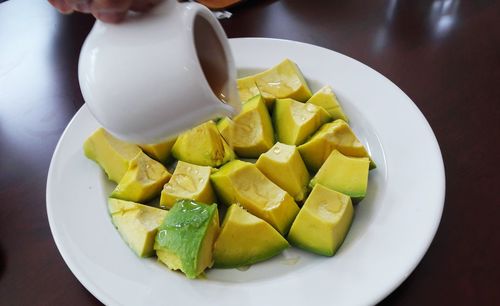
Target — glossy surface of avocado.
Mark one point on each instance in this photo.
(323, 222)
(295, 121)
(283, 165)
(250, 133)
(203, 145)
(241, 182)
(189, 181)
(336, 135)
(143, 180)
(284, 80)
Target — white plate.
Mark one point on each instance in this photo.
(392, 229)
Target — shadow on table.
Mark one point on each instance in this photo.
(67, 42)
(3, 260)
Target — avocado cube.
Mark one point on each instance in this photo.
(247, 89)
(348, 175)
(296, 121)
(160, 151)
(245, 239)
(143, 180)
(283, 165)
(323, 222)
(326, 98)
(250, 133)
(189, 181)
(112, 154)
(203, 145)
(241, 182)
(283, 81)
(186, 237)
(336, 135)
(137, 224)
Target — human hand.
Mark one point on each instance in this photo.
(112, 11)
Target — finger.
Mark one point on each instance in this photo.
(110, 5)
(82, 6)
(110, 17)
(61, 6)
(143, 5)
(78, 5)
(112, 11)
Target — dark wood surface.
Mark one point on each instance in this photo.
(444, 54)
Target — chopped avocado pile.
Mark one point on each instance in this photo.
(286, 169)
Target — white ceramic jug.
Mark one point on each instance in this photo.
(158, 74)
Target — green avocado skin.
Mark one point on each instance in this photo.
(183, 230)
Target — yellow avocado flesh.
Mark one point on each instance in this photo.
(245, 239)
(137, 224)
(283, 81)
(186, 237)
(250, 133)
(143, 180)
(160, 151)
(348, 175)
(296, 121)
(323, 222)
(283, 165)
(247, 89)
(241, 182)
(326, 98)
(189, 181)
(336, 135)
(203, 145)
(112, 154)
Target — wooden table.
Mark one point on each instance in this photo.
(444, 54)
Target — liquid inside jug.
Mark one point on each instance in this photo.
(212, 58)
